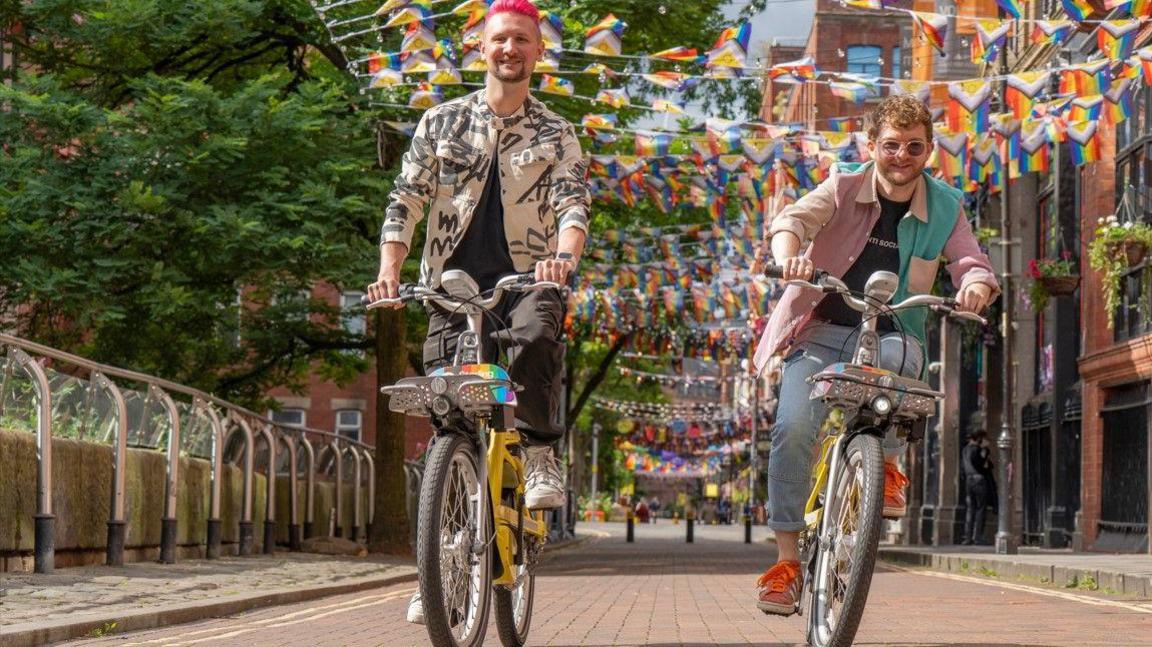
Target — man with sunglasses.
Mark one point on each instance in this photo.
(886, 214)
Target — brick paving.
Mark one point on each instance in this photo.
(663, 591)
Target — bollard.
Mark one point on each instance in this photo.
(747, 528)
(114, 555)
(691, 518)
(294, 543)
(247, 538)
(675, 518)
(168, 540)
(214, 539)
(269, 537)
(631, 527)
(45, 546)
(309, 529)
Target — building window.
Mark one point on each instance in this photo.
(349, 423)
(289, 417)
(1134, 202)
(897, 62)
(865, 59)
(1047, 240)
(353, 318)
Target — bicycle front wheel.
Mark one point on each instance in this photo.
(455, 577)
(514, 607)
(852, 523)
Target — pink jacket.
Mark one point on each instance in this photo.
(837, 218)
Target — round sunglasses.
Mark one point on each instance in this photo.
(914, 148)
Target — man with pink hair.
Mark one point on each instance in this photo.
(503, 181)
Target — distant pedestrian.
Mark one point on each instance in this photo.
(642, 511)
(976, 466)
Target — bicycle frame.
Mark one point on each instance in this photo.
(505, 474)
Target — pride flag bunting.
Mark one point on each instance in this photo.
(933, 26)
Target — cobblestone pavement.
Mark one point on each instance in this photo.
(26, 597)
(663, 591)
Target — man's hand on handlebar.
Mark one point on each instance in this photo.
(974, 297)
(797, 268)
(386, 286)
(554, 270)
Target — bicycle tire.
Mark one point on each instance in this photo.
(865, 458)
(513, 631)
(447, 470)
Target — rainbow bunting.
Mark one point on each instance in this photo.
(834, 141)
(1086, 108)
(445, 75)
(604, 38)
(1078, 10)
(385, 77)
(731, 48)
(1028, 150)
(664, 105)
(864, 4)
(379, 60)
(556, 85)
(842, 124)
(1022, 90)
(550, 62)
(798, 71)
(1140, 8)
(551, 30)
(759, 151)
(1115, 38)
(471, 60)
(390, 5)
(652, 144)
(850, 90)
(668, 80)
(617, 98)
(473, 30)
(989, 41)
(599, 121)
(1144, 55)
(1052, 32)
(425, 96)
(678, 53)
(1086, 78)
(1086, 145)
(417, 62)
(1118, 100)
(951, 153)
(723, 135)
(919, 89)
(1014, 8)
(933, 26)
(415, 12)
(984, 160)
(968, 107)
(740, 34)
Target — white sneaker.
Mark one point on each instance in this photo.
(544, 487)
(416, 609)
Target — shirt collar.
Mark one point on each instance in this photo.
(496, 121)
(868, 193)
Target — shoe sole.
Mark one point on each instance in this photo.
(894, 513)
(776, 609)
(544, 504)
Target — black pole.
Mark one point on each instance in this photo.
(114, 553)
(247, 538)
(45, 549)
(631, 528)
(1005, 537)
(168, 540)
(215, 539)
(269, 537)
(294, 537)
(748, 528)
(691, 523)
(309, 529)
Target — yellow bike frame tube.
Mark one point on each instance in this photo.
(502, 463)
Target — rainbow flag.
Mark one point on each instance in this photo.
(723, 135)
(1014, 8)
(418, 11)
(850, 90)
(1115, 38)
(591, 121)
(1086, 108)
(740, 34)
(678, 53)
(1144, 55)
(650, 144)
(668, 80)
(379, 61)
(1022, 90)
(605, 37)
(968, 107)
(919, 89)
(1118, 101)
(473, 30)
(1078, 10)
(1086, 145)
(759, 151)
(664, 105)
(1028, 150)
(617, 98)
(1052, 32)
(984, 161)
(989, 40)
(1140, 8)
(556, 85)
(1086, 78)
(425, 96)
(468, 6)
(951, 153)
(551, 30)
(842, 124)
(798, 71)
(933, 26)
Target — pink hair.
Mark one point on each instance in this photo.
(522, 7)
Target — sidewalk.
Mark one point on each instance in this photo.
(94, 600)
(1127, 575)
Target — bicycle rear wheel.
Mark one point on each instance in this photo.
(455, 581)
(852, 521)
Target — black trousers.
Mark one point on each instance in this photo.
(977, 501)
(532, 323)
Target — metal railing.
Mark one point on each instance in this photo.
(200, 428)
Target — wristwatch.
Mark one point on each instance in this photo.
(566, 256)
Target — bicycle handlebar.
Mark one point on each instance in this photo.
(416, 292)
(823, 281)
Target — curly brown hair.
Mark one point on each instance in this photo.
(899, 111)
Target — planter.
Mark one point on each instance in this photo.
(1060, 286)
(1134, 251)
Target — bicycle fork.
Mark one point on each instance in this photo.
(826, 531)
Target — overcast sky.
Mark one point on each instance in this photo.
(789, 19)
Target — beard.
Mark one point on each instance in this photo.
(912, 171)
(514, 77)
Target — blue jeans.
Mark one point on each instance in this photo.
(798, 418)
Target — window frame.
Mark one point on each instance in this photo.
(341, 429)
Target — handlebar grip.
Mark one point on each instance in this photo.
(774, 271)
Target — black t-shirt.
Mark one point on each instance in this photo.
(881, 252)
(483, 251)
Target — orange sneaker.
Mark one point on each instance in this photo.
(778, 589)
(895, 503)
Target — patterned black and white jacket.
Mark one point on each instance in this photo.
(543, 180)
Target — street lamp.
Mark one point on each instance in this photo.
(595, 457)
(1005, 537)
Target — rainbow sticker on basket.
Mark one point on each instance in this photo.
(501, 394)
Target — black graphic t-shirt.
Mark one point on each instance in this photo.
(881, 252)
(483, 251)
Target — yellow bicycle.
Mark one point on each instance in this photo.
(844, 510)
(474, 536)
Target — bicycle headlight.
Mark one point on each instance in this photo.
(439, 385)
(441, 406)
(881, 405)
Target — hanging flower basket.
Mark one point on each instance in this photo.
(1060, 286)
(1134, 251)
